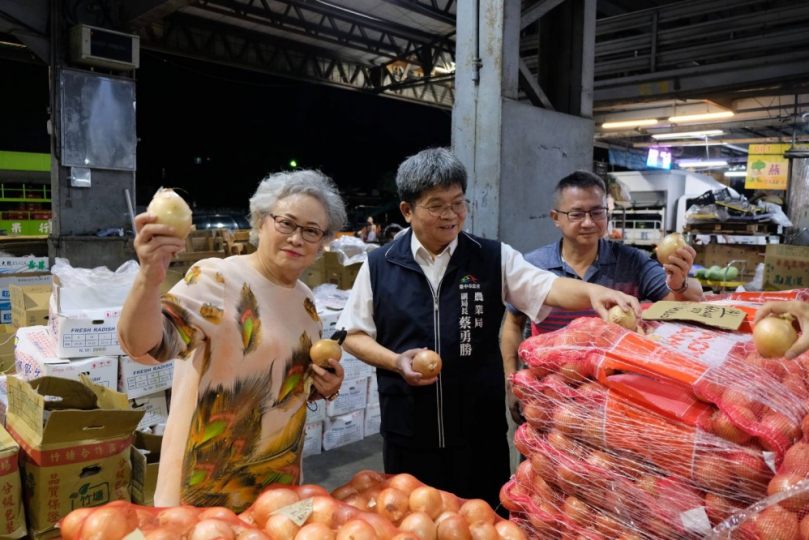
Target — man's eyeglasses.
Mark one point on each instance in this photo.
(440, 210)
(287, 226)
(596, 214)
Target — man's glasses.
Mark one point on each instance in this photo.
(596, 214)
(287, 226)
(440, 210)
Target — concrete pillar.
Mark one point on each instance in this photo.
(798, 194)
(80, 212)
(516, 152)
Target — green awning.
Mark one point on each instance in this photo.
(25, 161)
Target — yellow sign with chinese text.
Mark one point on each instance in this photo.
(767, 168)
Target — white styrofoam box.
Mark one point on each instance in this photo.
(355, 368)
(373, 418)
(312, 439)
(35, 356)
(138, 380)
(157, 411)
(80, 334)
(373, 391)
(329, 319)
(343, 430)
(319, 412)
(352, 397)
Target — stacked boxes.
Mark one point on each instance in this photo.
(20, 279)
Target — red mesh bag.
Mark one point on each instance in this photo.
(762, 399)
(761, 298)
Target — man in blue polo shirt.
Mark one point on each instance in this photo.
(580, 213)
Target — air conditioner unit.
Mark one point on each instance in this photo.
(99, 47)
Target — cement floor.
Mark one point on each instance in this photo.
(337, 466)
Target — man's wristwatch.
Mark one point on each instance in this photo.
(681, 289)
(332, 397)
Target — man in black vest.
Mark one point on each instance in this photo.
(443, 289)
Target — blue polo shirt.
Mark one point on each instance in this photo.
(618, 267)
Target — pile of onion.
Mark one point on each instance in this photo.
(170, 209)
(774, 335)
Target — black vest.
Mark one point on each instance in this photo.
(461, 322)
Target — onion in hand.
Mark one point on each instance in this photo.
(427, 363)
(627, 319)
(323, 349)
(773, 336)
(669, 246)
(171, 210)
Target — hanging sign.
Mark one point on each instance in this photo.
(767, 167)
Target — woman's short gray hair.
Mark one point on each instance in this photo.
(431, 168)
(301, 182)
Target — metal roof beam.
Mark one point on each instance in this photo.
(428, 9)
(138, 13)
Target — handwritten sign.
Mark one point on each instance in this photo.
(724, 317)
(298, 513)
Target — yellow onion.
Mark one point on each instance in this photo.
(627, 319)
(669, 246)
(773, 336)
(170, 209)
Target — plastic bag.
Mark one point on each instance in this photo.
(329, 296)
(351, 250)
(100, 276)
(706, 212)
(777, 213)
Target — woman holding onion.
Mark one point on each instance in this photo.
(242, 328)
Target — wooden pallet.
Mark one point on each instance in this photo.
(732, 228)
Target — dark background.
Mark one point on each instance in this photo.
(215, 131)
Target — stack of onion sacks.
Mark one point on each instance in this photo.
(423, 511)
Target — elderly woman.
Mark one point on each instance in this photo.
(243, 326)
(440, 288)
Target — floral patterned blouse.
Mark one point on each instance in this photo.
(238, 404)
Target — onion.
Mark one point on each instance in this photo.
(344, 514)
(170, 209)
(481, 530)
(627, 319)
(405, 536)
(342, 492)
(365, 480)
(281, 527)
(405, 483)
(477, 510)
(384, 529)
(773, 336)
(162, 534)
(270, 501)
(218, 512)
(315, 531)
(509, 531)
(392, 505)
(323, 510)
(451, 503)
(306, 491)
(71, 525)
(454, 528)
(428, 500)
(445, 515)
(356, 529)
(428, 363)
(211, 529)
(358, 501)
(323, 349)
(577, 511)
(180, 518)
(249, 533)
(419, 524)
(106, 524)
(669, 246)
(147, 519)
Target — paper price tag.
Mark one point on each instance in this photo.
(298, 513)
(135, 535)
(696, 520)
(724, 317)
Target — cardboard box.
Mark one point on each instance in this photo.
(786, 267)
(355, 368)
(316, 411)
(73, 456)
(352, 397)
(373, 418)
(155, 407)
(82, 334)
(373, 391)
(342, 276)
(12, 515)
(35, 356)
(25, 279)
(19, 265)
(29, 305)
(343, 430)
(7, 333)
(329, 319)
(145, 466)
(138, 380)
(312, 439)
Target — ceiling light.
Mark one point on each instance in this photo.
(629, 123)
(700, 163)
(736, 174)
(704, 116)
(688, 134)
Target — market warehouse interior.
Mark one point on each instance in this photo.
(426, 269)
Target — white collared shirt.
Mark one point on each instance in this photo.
(524, 286)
